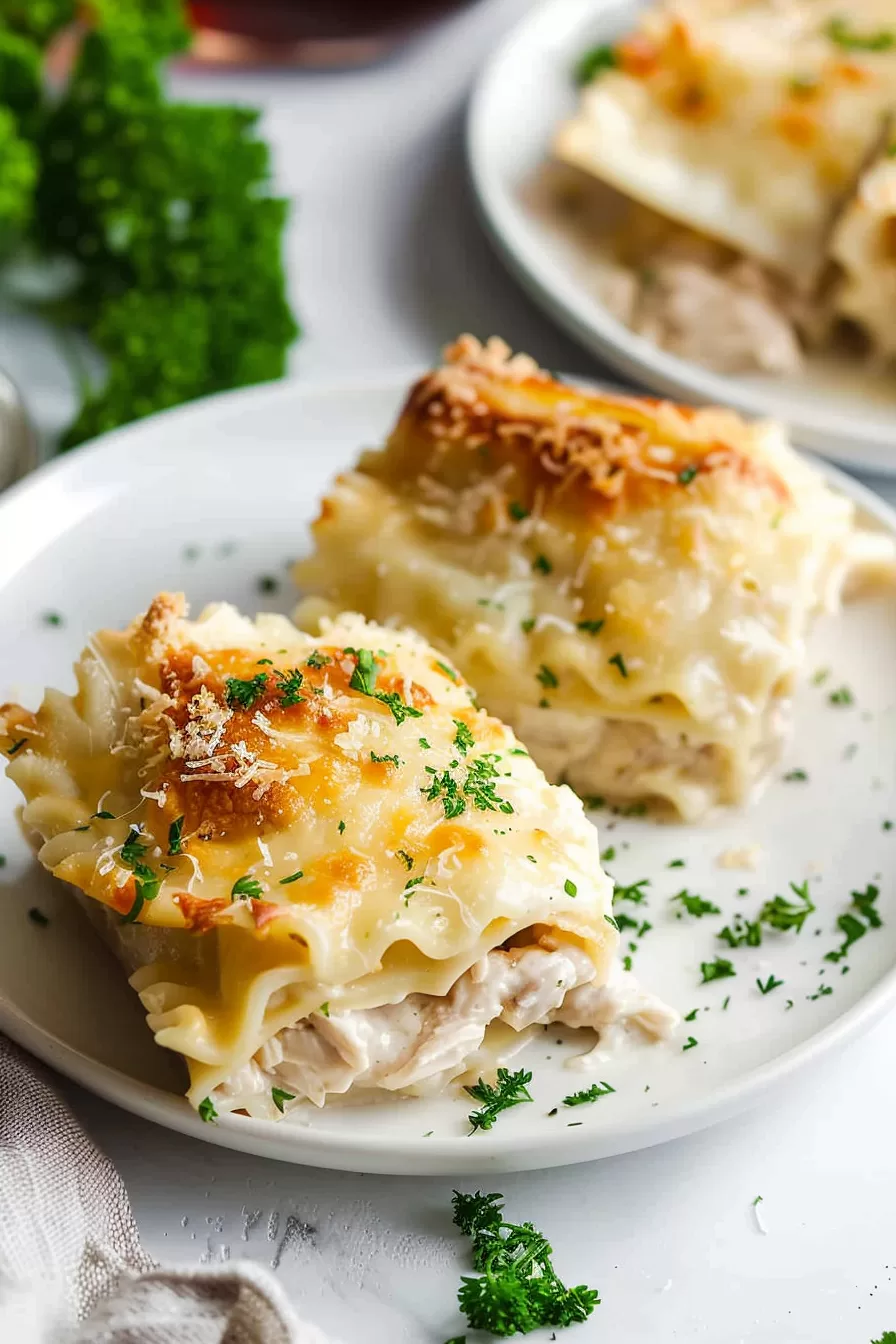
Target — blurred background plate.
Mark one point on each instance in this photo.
(522, 94)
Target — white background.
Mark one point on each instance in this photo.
(386, 262)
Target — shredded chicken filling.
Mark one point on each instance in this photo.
(426, 1040)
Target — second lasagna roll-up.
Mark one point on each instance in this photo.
(627, 582)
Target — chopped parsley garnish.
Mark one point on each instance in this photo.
(317, 659)
(766, 987)
(686, 475)
(207, 1111)
(324, 1009)
(741, 932)
(691, 1016)
(175, 832)
(424, 744)
(386, 760)
(593, 802)
(676, 863)
(851, 926)
(463, 738)
(783, 914)
(590, 627)
(528, 625)
(52, 618)
(479, 786)
(406, 859)
(341, 827)
(592, 1093)
(293, 877)
(690, 1043)
(618, 661)
(517, 511)
(839, 31)
(399, 709)
(547, 678)
(886, 825)
(518, 1289)
(245, 889)
(363, 676)
(842, 696)
(795, 776)
(146, 883)
(510, 1090)
(38, 917)
(268, 584)
(570, 887)
(594, 62)
(449, 671)
(542, 564)
(289, 684)
(720, 969)
(278, 1096)
(134, 848)
(696, 905)
(16, 746)
(633, 892)
(409, 886)
(608, 855)
(245, 693)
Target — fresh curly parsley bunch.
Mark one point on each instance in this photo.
(162, 207)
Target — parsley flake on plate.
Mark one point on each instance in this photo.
(588, 1095)
(783, 914)
(696, 905)
(720, 969)
(207, 1111)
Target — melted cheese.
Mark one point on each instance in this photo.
(627, 582)
(748, 120)
(295, 822)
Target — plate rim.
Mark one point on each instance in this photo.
(453, 1154)
(863, 444)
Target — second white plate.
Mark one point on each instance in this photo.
(524, 92)
(215, 499)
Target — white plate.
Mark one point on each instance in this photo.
(522, 94)
(93, 537)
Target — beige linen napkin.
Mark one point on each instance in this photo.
(72, 1270)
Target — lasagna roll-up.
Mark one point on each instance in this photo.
(322, 865)
(628, 583)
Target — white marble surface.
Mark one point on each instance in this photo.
(386, 262)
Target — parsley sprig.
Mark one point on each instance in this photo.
(363, 679)
(518, 1290)
(510, 1090)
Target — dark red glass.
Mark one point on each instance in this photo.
(307, 32)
